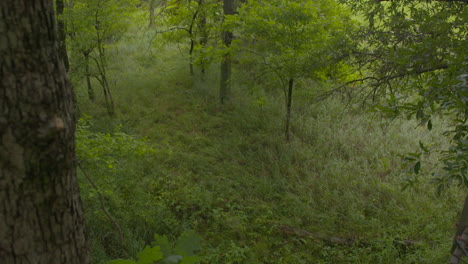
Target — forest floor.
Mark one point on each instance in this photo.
(173, 159)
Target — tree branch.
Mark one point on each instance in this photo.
(106, 212)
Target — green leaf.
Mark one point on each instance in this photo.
(424, 148)
(429, 125)
(417, 167)
(173, 259)
(187, 244)
(163, 243)
(149, 255)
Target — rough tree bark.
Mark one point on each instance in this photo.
(41, 220)
(225, 86)
(61, 33)
(460, 235)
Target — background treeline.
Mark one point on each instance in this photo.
(270, 131)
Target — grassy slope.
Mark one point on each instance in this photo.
(227, 173)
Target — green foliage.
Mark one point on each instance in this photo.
(293, 38)
(94, 24)
(182, 251)
(97, 149)
(111, 160)
(198, 21)
(414, 53)
(86, 19)
(149, 255)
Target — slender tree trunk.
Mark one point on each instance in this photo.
(288, 107)
(61, 33)
(104, 82)
(91, 95)
(203, 42)
(203, 36)
(152, 6)
(461, 234)
(41, 219)
(226, 71)
(192, 46)
(101, 64)
(192, 40)
(225, 85)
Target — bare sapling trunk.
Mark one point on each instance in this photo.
(101, 65)
(91, 95)
(203, 41)
(192, 38)
(192, 46)
(226, 69)
(152, 6)
(203, 37)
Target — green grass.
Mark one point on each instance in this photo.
(228, 173)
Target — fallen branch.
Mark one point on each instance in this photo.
(334, 240)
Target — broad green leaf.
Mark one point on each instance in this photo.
(417, 167)
(149, 255)
(163, 243)
(187, 244)
(429, 124)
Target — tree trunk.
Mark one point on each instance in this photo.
(459, 250)
(462, 232)
(288, 107)
(152, 6)
(61, 33)
(203, 36)
(41, 219)
(192, 38)
(192, 46)
(91, 95)
(225, 86)
(101, 64)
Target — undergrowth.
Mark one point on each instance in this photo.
(172, 160)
